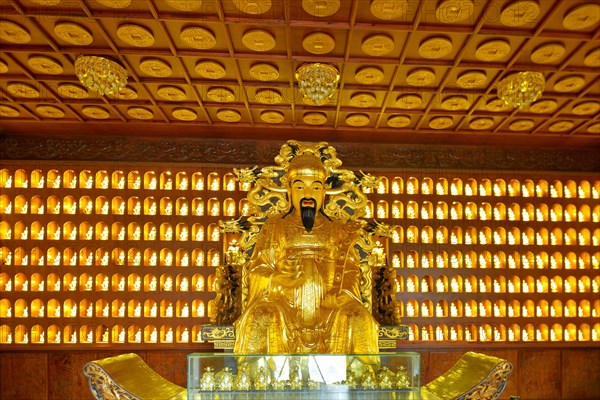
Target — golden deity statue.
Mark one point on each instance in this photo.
(306, 287)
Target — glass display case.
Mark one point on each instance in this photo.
(323, 376)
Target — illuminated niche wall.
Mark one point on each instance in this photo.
(109, 255)
(499, 258)
(105, 254)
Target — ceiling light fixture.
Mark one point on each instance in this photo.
(522, 88)
(317, 82)
(100, 74)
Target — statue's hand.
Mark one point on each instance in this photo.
(336, 300)
(286, 281)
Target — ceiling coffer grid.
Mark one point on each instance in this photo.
(197, 67)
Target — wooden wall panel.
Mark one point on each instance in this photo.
(65, 375)
(580, 374)
(170, 365)
(439, 362)
(539, 375)
(23, 376)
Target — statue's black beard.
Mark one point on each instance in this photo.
(308, 217)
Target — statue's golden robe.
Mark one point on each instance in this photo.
(304, 291)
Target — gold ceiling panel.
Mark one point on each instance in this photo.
(199, 38)
(135, 35)
(95, 112)
(185, 5)
(389, 9)
(314, 118)
(398, 121)
(13, 32)
(185, 114)
(8, 111)
(420, 70)
(45, 65)
(140, 113)
(318, 43)
(520, 13)
(50, 111)
(72, 91)
(73, 33)
(543, 106)
(272, 117)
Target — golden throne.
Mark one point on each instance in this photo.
(267, 198)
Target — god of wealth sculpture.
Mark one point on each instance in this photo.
(306, 284)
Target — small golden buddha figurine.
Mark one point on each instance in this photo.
(386, 378)
(104, 285)
(183, 210)
(169, 336)
(242, 380)
(208, 382)
(153, 336)
(168, 285)
(225, 379)
(351, 380)
(184, 285)
(185, 311)
(183, 184)
(368, 380)
(185, 260)
(169, 311)
(261, 380)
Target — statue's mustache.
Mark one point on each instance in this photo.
(308, 202)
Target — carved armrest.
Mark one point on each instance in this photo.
(474, 376)
(128, 377)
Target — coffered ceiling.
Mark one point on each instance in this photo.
(412, 71)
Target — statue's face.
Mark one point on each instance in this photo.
(307, 191)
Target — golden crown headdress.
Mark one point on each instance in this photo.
(269, 195)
